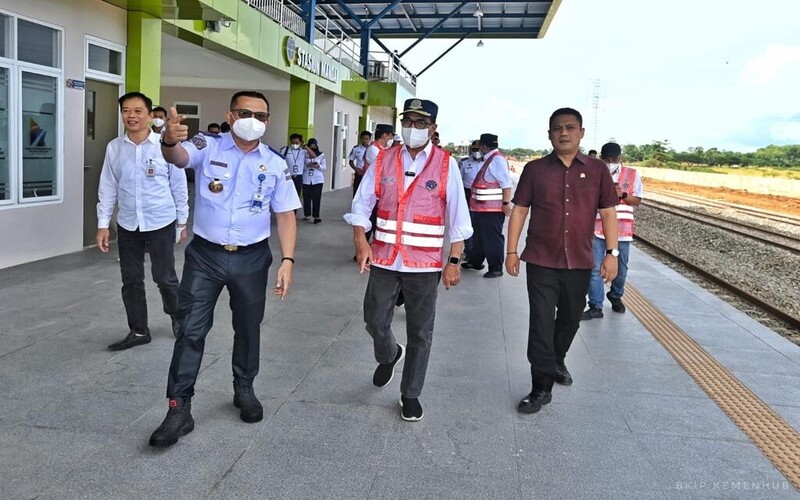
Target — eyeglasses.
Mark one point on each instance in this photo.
(420, 124)
(246, 113)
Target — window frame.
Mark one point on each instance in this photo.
(15, 153)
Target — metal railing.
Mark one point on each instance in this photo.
(281, 13)
(334, 43)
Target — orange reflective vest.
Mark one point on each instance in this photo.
(411, 222)
(486, 196)
(626, 180)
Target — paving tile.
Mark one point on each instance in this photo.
(754, 361)
(434, 485)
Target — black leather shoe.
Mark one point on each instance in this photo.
(534, 401)
(176, 326)
(131, 340)
(616, 303)
(470, 265)
(384, 373)
(245, 399)
(317, 220)
(562, 375)
(179, 422)
(493, 274)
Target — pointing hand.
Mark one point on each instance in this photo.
(175, 131)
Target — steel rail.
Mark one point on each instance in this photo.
(708, 219)
(767, 307)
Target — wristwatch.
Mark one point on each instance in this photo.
(453, 260)
(166, 144)
(613, 252)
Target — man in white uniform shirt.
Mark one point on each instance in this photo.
(418, 192)
(152, 196)
(356, 158)
(297, 155)
(469, 168)
(240, 182)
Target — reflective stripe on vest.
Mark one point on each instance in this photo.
(486, 196)
(416, 214)
(626, 179)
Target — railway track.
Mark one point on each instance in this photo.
(764, 235)
(791, 220)
(771, 309)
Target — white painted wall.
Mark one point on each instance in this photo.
(37, 232)
(344, 179)
(323, 131)
(761, 185)
(381, 115)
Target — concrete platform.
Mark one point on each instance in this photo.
(75, 418)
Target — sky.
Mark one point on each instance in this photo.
(707, 73)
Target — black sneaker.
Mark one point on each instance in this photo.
(384, 373)
(410, 409)
(534, 401)
(470, 265)
(245, 399)
(616, 303)
(176, 326)
(131, 340)
(179, 422)
(562, 375)
(493, 274)
(592, 313)
(317, 220)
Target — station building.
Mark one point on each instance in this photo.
(64, 64)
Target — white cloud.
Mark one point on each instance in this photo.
(765, 67)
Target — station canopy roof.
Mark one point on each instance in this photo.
(455, 20)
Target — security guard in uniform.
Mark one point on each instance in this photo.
(240, 181)
(469, 167)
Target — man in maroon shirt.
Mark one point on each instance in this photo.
(563, 191)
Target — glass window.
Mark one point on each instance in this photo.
(39, 165)
(38, 44)
(5, 172)
(5, 34)
(105, 60)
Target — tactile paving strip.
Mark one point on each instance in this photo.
(778, 440)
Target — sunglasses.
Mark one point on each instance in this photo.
(246, 113)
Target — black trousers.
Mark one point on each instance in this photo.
(207, 269)
(468, 242)
(373, 218)
(487, 241)
(556, 298)
(160, 243)
(298, 184)
(356, 182)
(312, 196)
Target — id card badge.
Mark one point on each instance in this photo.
(295, 169)
(150, 170)
(257, 204)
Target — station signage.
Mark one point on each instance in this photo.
(309, 61)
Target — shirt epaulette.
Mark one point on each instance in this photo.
(283, 156)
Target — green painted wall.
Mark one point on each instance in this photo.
(143, 61)
(301, 108)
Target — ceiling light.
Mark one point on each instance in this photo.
(478, 12)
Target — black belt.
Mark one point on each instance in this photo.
(228, 247)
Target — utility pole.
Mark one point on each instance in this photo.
(595, 108)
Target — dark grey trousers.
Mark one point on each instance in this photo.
(420, 291)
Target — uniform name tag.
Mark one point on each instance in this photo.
(219, 164)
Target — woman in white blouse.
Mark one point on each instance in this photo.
(313, 180)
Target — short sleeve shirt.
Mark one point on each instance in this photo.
(229, 215)
(563, 204)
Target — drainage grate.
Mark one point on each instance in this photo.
(778, 440)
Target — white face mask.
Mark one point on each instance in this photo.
(389, 143)
(249, 129)
(477, 155)
(614, 166)
(295, 146)
(158, 122)
(415, 137)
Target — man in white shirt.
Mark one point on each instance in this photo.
(384, 138)
(152, 196)
(297, 155)
(418, 191)
(356, 158)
